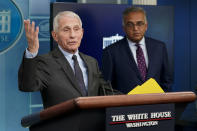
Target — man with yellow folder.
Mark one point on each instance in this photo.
(136, 58)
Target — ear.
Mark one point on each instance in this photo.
(54, 35)
(124, 28)
(82, 32)
(146, 26)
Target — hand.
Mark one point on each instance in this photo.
(32, 36)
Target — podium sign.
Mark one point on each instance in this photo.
(158, 117)
(140, 112)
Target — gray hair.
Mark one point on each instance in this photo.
(64, 14)
(129, 10)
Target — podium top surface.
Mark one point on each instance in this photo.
(96, 102)
(130, 100)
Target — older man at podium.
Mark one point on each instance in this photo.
(64, 73)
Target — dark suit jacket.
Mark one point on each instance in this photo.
(52, 75)
(120, 68)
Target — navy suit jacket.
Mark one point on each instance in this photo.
(120, 68)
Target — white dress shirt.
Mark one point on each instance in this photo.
(133, 49)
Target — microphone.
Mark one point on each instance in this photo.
(107, 88)
(103, 87)
(110, 86)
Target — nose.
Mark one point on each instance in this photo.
(72, 33)
(135, 27)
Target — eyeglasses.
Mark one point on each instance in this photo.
(138, 24)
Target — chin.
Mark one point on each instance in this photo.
(137, 39)
(74, 49)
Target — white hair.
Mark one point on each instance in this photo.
(64, 14)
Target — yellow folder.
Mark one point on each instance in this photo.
(150, 86)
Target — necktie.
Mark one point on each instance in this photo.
(141, 62)
(79, 75)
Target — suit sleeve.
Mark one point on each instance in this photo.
(166, 74)
(31, 75)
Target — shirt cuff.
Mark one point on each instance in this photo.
(28, 54)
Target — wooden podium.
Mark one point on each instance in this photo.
(88, 113)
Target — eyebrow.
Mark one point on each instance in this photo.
(72, 27)
(135, 22)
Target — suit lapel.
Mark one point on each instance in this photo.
(62, 61)
(131, 60)
(150, 52)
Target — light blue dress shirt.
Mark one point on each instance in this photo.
(68, 56)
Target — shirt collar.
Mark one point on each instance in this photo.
(142, 42)
(67, 54)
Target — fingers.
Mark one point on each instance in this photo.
(36, 36)
(37, 31)
(32, 35)
(27, 24)
(30, 28)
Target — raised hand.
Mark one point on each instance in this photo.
(32, 36)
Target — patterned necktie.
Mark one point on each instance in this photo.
(79, 75)
(141, 62)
